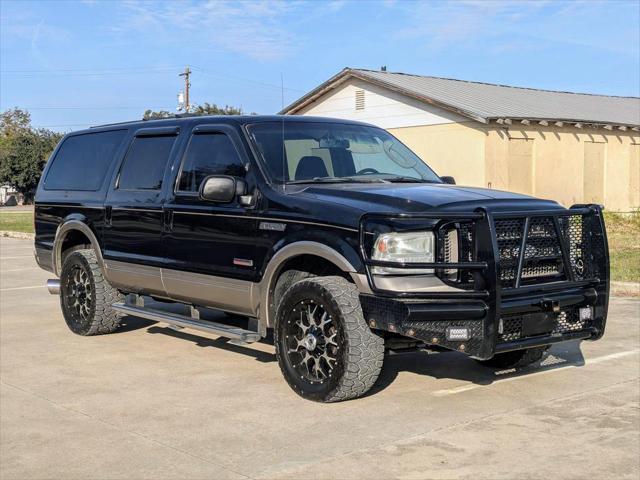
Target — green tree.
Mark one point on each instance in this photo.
(24, 151)
(151, 115)
(204, 109)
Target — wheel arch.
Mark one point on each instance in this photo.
(284, 257)
(76, 229)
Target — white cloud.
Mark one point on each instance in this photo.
(525, 23)
(22, 27)
(253, 28)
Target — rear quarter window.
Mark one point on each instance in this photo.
(82, 161)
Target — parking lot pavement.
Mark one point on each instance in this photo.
(151, 402)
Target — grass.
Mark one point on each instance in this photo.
(623, 231)
(16, 221)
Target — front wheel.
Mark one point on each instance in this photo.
(325, 349)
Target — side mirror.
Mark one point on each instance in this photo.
(449, 180)
(221, 188)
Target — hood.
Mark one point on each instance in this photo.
(401, 197)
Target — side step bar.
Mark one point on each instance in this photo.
(181, 321)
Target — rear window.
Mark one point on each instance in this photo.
(146, 161)
(82, 161)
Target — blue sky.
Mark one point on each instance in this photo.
(73, 64)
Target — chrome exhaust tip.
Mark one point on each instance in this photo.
(53, 285)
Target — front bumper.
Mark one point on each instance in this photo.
(502, 318)
(523, 322)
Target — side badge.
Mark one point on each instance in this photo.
(272, 226)
(243, 262)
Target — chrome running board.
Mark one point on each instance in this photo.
(238, 335)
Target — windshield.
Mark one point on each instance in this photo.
(305, 152)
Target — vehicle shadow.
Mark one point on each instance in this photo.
(129, 323)
(220, 342)
(454, 365)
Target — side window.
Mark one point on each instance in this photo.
(208, 154)
(82, 161)
(144, 166)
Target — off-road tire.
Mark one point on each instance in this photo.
(515, 359)
(100, 318)
(360, 354)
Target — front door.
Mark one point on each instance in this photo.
(133, 248)
(210, 247)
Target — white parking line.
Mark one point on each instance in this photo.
(588, 361)
(21, 288)
(18, 269)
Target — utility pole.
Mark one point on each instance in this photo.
(187, 84)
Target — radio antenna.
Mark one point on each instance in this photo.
(284, 158)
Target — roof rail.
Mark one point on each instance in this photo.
(173, 116)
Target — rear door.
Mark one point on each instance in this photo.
(133, 248)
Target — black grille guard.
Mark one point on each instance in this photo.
(498, 296)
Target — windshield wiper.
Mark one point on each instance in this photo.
(337, 180)
(401, 179)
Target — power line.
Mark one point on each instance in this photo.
(132, 71)
(235, 77)
(88, 71)
(91, 108)
(87, 74)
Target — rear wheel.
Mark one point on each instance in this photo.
(86, 296)
(325, 349)
(516, 359)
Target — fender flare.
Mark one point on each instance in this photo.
(61, 233)
(274, 267)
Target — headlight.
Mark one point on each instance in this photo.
(409, 247)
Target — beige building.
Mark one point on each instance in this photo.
(573, 148)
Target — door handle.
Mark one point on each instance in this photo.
(167, 222)
(108, 211)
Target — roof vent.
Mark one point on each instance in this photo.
(359, 99)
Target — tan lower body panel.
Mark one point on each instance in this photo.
(226, 294)
(217, 292)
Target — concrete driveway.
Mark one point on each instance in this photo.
(153, 403)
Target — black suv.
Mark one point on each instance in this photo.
(330, 232)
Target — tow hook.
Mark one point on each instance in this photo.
(548, 305)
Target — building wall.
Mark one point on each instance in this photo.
(566, 164)
(455, 149)
(382, 107)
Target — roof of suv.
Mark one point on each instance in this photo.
(232, 119)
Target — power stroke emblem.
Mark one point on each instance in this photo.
(273, 226)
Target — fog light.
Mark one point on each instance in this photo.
(586, 313)
(457, 333)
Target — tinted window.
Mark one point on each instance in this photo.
(302, 151)
(146, 160)
(209, 154)
(83, 160)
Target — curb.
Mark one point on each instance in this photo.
(625, 289)
(18, 235)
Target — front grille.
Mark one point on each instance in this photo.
(569, 321)
(511, 328)
(566, 321)
(543, 259)
(457, 245)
